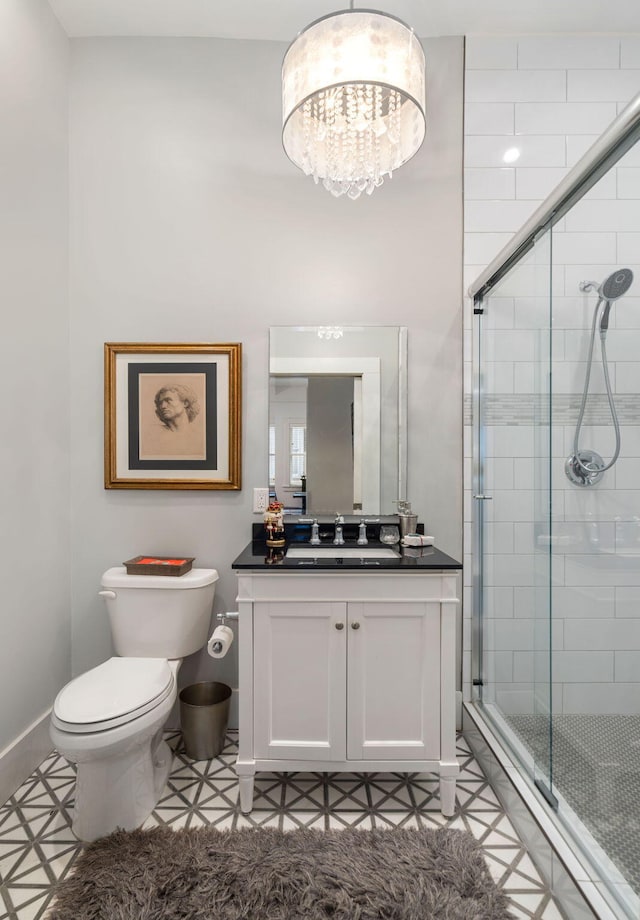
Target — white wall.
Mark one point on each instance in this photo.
(551, 97)
(188, 223)
(34, 371)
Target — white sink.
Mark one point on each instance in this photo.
(341, 552)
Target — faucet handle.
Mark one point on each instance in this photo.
(339, 518)
(362, 533)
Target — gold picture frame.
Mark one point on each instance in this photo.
(172, 416)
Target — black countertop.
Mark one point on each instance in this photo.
(257, 555)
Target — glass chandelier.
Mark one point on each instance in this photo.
(353, 99)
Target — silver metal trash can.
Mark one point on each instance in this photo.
(204, 714)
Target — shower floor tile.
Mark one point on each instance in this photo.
(596, 771)
(37, 847)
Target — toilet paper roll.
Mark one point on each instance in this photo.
(221, 639)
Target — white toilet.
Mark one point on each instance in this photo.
(109, 720)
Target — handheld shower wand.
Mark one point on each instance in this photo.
(612, 288)
(586, 467)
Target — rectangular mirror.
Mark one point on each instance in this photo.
(338, 418)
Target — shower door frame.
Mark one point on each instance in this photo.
(541, 693)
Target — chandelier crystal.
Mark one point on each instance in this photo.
(353, 99)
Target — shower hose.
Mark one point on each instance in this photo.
(585, 393)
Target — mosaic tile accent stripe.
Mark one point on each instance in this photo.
(37, 847)
(533, 409)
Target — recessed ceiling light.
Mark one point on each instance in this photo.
(511, 155)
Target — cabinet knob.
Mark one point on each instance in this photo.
(339, 625)
(355, 626)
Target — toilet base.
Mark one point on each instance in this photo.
(120, 792)
(121, 772)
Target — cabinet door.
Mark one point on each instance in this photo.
(393, 710)
(299, 680)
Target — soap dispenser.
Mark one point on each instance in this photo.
(408, 520)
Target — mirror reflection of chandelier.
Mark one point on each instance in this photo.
(353, 99)
(330, 332)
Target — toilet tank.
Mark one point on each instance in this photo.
(159, 616)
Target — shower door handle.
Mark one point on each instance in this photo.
(484, 498)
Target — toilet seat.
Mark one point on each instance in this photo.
(114, 693)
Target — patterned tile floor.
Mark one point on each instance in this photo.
(37, 847)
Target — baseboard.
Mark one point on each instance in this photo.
(20, 758)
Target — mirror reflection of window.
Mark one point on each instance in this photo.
(287, 419)
(272, 455)
(297, 453)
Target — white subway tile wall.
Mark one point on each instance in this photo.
(534, 106)
(567, 53)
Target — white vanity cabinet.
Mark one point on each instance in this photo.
(347, 672)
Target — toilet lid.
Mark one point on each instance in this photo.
(113, 693)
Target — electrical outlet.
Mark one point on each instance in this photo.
(260, 500)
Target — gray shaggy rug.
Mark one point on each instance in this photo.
(266, 874)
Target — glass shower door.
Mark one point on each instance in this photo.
(512, 509)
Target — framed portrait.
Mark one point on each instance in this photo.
(172, 416)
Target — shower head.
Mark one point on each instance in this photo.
(612, 288)
(617, 284)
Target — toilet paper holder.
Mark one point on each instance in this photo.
(222, 619)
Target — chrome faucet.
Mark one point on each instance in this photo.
(338, 539)
(362, 534)
(315, 534)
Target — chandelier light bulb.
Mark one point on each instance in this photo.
(353, 100)
(330, 332)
